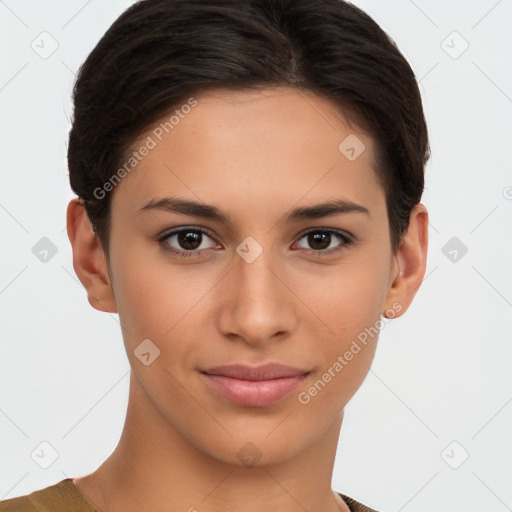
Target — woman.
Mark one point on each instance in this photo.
(249, 176)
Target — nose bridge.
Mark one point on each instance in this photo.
(258, 305)
(256, 282)
(253, 268)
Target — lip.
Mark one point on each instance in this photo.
(252, 386)
(266, 371)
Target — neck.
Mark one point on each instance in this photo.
(155, 467)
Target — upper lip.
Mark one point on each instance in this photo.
(264, 372)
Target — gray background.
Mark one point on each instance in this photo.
(440, 386)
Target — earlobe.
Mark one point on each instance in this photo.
(410, 262)
(89, 259)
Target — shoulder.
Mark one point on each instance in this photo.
(19, 504)
(354, 505)
(59, 497)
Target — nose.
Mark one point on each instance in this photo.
(257, 302)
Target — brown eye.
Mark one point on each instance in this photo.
(186, 241)
(319, 240)
(189, 239)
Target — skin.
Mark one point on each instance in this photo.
(270, 152)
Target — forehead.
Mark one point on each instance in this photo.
(260, 145)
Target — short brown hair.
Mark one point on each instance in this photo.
(160, 52)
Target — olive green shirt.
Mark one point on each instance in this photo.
(65, 496)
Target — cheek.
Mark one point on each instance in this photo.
(347, 298)
(352, 313)
(160, 302)
(147, 302)
(348, 305)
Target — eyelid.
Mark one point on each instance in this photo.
(340, 232)
(178, 229)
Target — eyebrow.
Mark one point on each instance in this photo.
(196, 209)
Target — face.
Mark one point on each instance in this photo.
(255, 284)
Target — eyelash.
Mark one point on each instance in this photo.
(347, 241)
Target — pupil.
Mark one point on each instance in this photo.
(188, 239)
(317, 237)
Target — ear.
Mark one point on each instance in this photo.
(409, 263)
(89, 259)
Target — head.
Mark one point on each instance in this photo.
(257, 111)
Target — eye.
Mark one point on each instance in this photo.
(189, 241)
(322, 239)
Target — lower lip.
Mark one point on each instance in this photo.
(252, 393)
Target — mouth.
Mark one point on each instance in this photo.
(254, 386)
